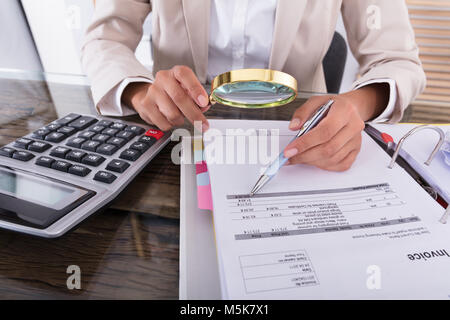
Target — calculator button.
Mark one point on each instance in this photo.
(101, 138)
(117, 142)
(39, 146)
(61, 165)
(75, 155)
(7, 152)
(130, 154)
(127, 135)
(139, 146)
(45, 162)
(69, 118)
(75, 142)
(93, 160)
(79, 170)
(137, 130)
(118, 125)
(60, 152)
(97, 128)
(107, 149)
(40, 134)
(55, 137)
(82, 123)
(105, 177)
(68, 131)
(117, 166)
(110, 131)
(105, 123)
(53, 126)
(90, 145)
(23, 155)
(22, 143)
(87, 134)
(147, 140)
(157, 134)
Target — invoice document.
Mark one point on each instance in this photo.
(367, 233)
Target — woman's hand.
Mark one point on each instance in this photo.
(175, 94)
(335, 142)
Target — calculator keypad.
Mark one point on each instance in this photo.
(104, 137)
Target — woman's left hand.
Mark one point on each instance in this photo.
(336, 141)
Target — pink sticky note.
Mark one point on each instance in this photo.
(201, 167)
(204, 198)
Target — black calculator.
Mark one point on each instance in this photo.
(55, 177)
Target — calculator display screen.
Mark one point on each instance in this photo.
(32, 189)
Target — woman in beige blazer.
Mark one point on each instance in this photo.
(378, 31)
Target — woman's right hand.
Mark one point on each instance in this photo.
(175, 94)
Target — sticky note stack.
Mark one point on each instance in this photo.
(204, 197)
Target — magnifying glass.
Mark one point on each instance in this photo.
(253, 88)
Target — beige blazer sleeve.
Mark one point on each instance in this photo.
(385, 48)
(108, 51)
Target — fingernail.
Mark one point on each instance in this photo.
(204, 109)
(205, 126)
(202, 101)
(295, 123)
(290, 153)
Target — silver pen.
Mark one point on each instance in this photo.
(275, 166)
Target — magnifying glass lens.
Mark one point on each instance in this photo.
(253, 92)
(253, 88)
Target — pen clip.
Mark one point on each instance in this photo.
(315, 118)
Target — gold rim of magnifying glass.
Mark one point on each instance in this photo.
(262, 75)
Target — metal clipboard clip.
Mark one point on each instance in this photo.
(441, 133)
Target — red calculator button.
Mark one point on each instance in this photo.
(154, 133)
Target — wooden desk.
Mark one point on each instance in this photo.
(129, 250)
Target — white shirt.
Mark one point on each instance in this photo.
(240, 37)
